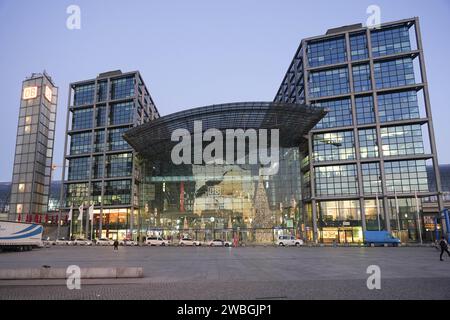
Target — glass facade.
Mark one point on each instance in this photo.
(334, 146)
(329, 82)
(377, 120)
(358, 46)
(100, 166)
(361, 78)
(336, 180)
(394, 73)
(390, 41)
(398, 106)
(207, 202)
(339, 114)
(327, 52)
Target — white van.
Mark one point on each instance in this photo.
(289, 241)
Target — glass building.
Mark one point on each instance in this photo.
(34, 149)
(367, 159)
(100, 168)
(229, 194)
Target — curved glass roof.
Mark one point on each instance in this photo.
(293, 120)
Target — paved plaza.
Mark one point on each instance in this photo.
(237, 273)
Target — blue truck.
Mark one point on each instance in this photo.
(380, 238)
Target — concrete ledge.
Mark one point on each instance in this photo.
(60, 273)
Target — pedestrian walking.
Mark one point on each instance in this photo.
(444, 247)
(116, 245)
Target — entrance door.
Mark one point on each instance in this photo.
(345, 236)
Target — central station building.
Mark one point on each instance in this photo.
(228, 195)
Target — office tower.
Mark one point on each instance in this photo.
(34, 149)
(366, 166)
(100, 168)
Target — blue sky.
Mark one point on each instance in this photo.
(190, 53)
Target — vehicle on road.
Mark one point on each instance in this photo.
(380, 238)
(60, 242)
(81, 242)
(219, 243)
(156, 241)
(104, 242)
(189, 242)
(127, 242)
(20, 236)
(287, 241)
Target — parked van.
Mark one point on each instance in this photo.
(373, 238)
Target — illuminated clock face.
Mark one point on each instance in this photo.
(29, 93)
(48, 93)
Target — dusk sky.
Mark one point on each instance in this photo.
(191, 53)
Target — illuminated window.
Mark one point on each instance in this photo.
(19, 208)
(28, 120)
(27, 129)
(48, 93)
(21, 187)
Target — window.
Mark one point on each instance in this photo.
(97, 167)
(398, 106)
(402, 140)
(99, 141)
(117, 192)
(361, 78)
(334, 146)
(406, 176)
(330, 212)
(327, 52)
(339, 115)
(328, 83)
(102, 91)
(394, 73)
(115, 140)
(374, 212)
(79, 168)
(121, 113)
(100, 118)
(371, 178)
(82, 119)
(21, 187)
(96, 193)
(122, 88)
(368, 143)
(358, 46)
(364, 110)
(119, 165)
(76, 194)
(80, 143)
(390, 41)
(84, 94)
(336, 180)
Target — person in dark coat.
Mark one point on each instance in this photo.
(116, 244)
(444, 247)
